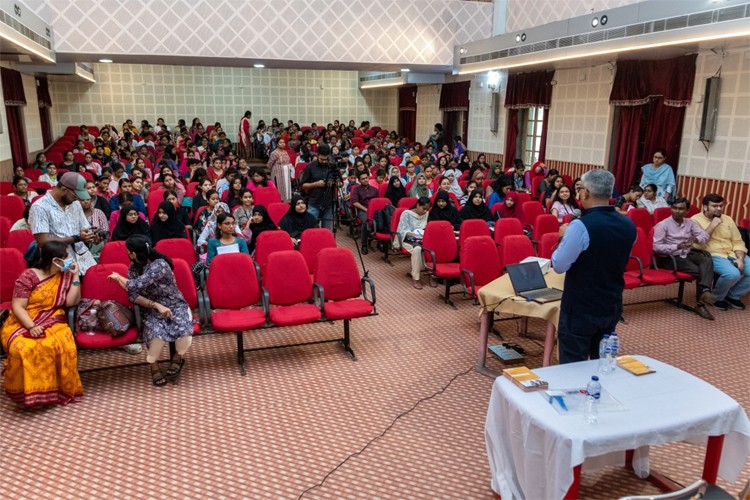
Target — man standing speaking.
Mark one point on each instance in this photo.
(593, 252)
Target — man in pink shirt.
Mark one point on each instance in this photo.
(675, 236)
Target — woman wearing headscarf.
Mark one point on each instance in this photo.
(420, 189)
(129, 224)
(442, 209)
(166, 224)
(209, 229)
(395, 190)
(297, 219)
(455, 188)
(475, 208)
(509, 205)
(258, 223)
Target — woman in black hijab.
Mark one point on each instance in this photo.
(395, 190)
(475, 208)
(297, 219)
(442, 209)
(166, 224)
(258, 223)
(129, 224)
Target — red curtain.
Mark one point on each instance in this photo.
(455, 96)
(543, 142)
(529, 90)
(45, 102)
(511, 137)
(14, 100)
(654, 92)
(407, 112)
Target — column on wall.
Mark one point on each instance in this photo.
(526, 90)
(45, 102)
(14, 100)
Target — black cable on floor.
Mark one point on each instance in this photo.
(356, 453)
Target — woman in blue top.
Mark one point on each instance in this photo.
(226, 236)
(660, 173)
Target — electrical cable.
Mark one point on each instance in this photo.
(398, 417)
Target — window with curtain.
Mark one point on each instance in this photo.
(14, 102)
(529, 144)
(454, 103)
(527, 98)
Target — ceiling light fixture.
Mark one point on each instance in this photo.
(105, 61)
(259, 65)
(523, 37)
(518, 38)
(365, 86)
(405, 70)
(604, 20)
(595, 22)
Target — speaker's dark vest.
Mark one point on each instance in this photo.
(594, 283)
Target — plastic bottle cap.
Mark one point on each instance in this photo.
(594, 377)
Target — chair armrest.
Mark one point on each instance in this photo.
(371, 285)
(257, 271)
(640, 266)
(655, 262)
(396, 237)
(4, 313)
(202, 307)
(432, 256)
(266, 301)
(467, 275)
(319, 297)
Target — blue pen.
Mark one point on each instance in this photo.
(560, 401)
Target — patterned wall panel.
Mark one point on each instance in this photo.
(736, 194)
(390, 31)
(428, 111)
(480, 111)
(526, 14)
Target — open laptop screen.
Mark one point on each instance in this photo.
(526, 276)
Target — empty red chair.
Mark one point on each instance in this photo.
(186, 284)
(233, 294)
(6, 187)
(40, 187)
(341, 291)
(642, 218)
(506, 227)
(5, 225)
(20, 240)
(12, 267)
(178, 248)
(288, 285)
(12, 207)
(661, 213)
(277, 211)
(543, 224)
(407, 202)
(516, 248)
(479, 263)
(439, 253)
(267, 243)
(523, 198)
(547, 244)
(472, 227)
(32, 173)
(530, 210)
(641, 262)
(266, 195)
(312, 242)
(373, 206)
(95, 285)
(114, 252)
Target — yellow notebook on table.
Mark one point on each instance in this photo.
(525, 379)
(634, 366)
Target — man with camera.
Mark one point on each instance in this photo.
(320, 180)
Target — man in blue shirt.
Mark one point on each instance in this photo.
(593, 252)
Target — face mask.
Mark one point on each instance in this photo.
(65, 264)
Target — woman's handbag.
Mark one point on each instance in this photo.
(115, 318)
(86, 316)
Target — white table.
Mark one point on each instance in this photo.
(533, 450)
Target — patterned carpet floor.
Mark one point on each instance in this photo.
(405, 420)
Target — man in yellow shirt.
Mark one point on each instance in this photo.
(728, 253)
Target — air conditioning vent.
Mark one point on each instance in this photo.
(9, 20)
(597, 36)
(700, 18)
(634, 30)
(732, 13)
(379, 76)
(565, 42)
(674, 23)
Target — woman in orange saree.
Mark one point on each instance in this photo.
(42, 363)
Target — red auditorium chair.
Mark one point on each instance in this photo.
(190, 189)
(5, 225)
(641, 262)
(288, 290)
(373, 206)
(439, 254)
(40, 187)
(20, 240)
(12, 207)
(395, 219)
(547, 244)
(178, 248)
(186, 284)
(114, 252)
(506, 227)
(6, 187)
(642, 218)
(233, 292)
(543, 224)
(12, 267)
(516, 248)
(407, 202)
(277, 211)
(312, 242)
(97, 286)
(267, 243)
(266, 195)
(340, 291)
(479, 264)
(472, 227)
(33, 173)
(530, 210)
(661, 213)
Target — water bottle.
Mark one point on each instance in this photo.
(614, 347)
(593, 393)
(603, 361)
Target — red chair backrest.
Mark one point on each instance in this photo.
(79, 157)
(642, 249)
(407, 202)
(375, 205)
(535, 182)
(178, 248)
(543, 224)
(529, 212)
(337, 272)
(642, 218)
(312, 242)
(185, 282)
(190, 189)
(567, 180)
(269, 242)
(154, 186)
(5, 225)
(287, 278)
(55, 157)
(694, 209)
(152, 203)
(396, 218)
(472, 227)
(451, 196)
(661, 213)
(440, 238)
(299, 168)
(32, 173)
(382, 189)
(277, 211)
(40, 187)
(744, 223)
(516, 248)
(506, 227)
(6, 187)
(12, 207)
(478, 255)
(13, 266)
(97, 286)
(547, 244)
(232, 282)
(523, 198)
(114, 252)
(266, 195)
(20, 240)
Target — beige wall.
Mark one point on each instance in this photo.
(480, 102)
(428, 111)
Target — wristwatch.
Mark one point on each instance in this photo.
(76, 283)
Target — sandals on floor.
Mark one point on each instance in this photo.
(157, 377)
(175, 367)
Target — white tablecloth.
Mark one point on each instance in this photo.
(533, 449)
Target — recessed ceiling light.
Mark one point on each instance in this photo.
(105, 61)
(518, 38)
(595, 22)
(405, 70)
(259, 65)
(604, 20)
(523, 37)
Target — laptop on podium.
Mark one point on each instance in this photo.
(528, 282)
